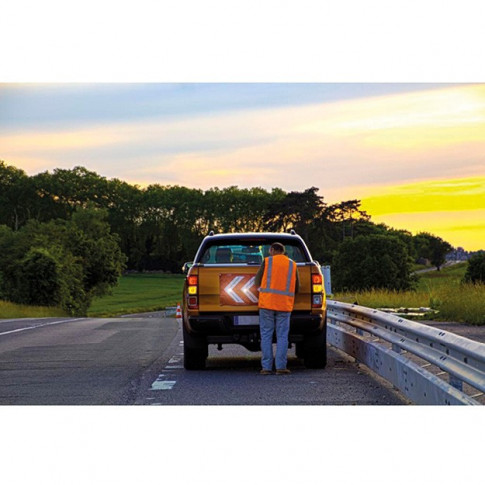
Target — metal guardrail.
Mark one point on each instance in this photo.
(428, 365)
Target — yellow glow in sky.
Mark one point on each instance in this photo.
(453, 209)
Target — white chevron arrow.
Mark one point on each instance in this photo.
(246, 291)
(229, 289)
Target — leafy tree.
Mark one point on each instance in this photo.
(38, 279)
(90, 240)
(475, 272)
(295, 210)
(125, 213)
(60, 262)
(346, 213)
(160, 227)
(433, 248)
(375, 261)
(16, 196)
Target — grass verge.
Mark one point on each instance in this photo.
(13, 310)
(440, 290)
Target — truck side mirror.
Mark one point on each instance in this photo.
(186, 267)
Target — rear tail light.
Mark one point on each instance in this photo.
(317, 279)
(317, 301)
(193, 302)
(317, 290)
(193, 291)
(193, 280)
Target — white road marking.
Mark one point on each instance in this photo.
(162, 385)
(163, 382)
(39, 326)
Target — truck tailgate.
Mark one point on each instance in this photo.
(232, 289)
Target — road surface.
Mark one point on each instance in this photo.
(139, 360)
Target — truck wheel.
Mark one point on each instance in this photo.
(299, 350)
(315, 354)
(194, 359)
(195, 352)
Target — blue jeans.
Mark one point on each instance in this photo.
(269, 320)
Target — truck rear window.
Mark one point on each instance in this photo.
(238, 252)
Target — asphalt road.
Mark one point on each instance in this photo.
(77, 361)
(139, 360)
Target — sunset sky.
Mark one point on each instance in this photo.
(413, 153)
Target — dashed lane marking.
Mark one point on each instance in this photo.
(162, 385)
(175, 359)
(165, 382)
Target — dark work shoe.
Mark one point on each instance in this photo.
(283, 371)
(265, 372)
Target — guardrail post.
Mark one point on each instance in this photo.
(456, 382)
(396, 348)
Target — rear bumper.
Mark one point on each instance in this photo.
(222, 327)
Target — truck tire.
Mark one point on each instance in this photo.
(315, 351)
(299, 350)
(194, 359)
(195, 352)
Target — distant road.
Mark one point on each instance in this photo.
(139, 360)
(434, 268)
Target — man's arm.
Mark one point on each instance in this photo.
(259, 275)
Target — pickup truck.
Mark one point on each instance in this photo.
(220, 300)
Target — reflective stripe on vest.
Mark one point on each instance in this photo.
(277, 290)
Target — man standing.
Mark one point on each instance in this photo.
(278, 282)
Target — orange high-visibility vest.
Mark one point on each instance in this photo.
(277, 291)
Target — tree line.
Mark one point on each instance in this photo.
(160, 227)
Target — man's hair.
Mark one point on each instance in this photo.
(278, 247)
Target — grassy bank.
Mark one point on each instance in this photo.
(138, 293)
(12, 310)
(440, 290)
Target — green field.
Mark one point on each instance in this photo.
(138, 293)
(135, 293)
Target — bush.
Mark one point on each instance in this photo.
(38, 279)
(63, 263)
(375, 261)
(475, 272)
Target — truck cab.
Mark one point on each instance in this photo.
(220, 299)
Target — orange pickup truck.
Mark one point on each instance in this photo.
(220, 299)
